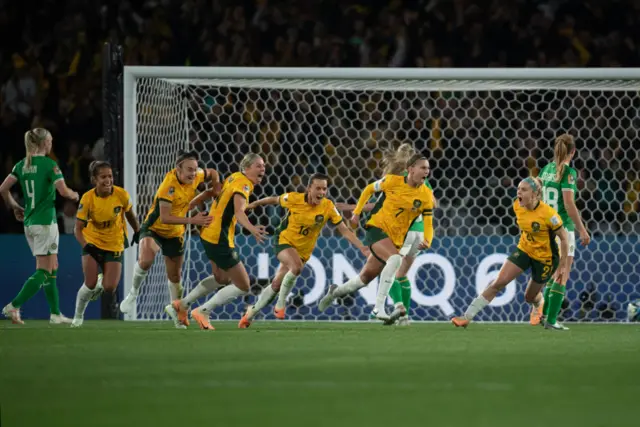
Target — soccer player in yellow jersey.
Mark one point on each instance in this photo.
(537, 250)
(101, 231)
(218, 241)
(405, 199)
(164, 227)
(307, 213)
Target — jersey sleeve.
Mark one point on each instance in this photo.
(56, 173)
(167, 190)
(242, 188)
(84, 208)
(554, 222)
(125, 198)
(569, 181)
(334, 215)
(16, 171)
(285, 200)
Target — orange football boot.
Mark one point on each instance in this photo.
(203, 321)
(183, 315)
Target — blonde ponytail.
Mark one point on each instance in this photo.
(562, 149)
(33, 140)
(394, 162)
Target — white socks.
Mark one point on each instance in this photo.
(266, 296)
(224, 296)
(475, 307)
(138, 277)
(204, 288)
(387, 277)
(82, 300)
(350, 286)
(285, 289)
(175, 290)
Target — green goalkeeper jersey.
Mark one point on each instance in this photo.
(552, 190)
(38, 187)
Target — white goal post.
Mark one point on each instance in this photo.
(483, 130)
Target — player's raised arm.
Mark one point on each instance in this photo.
(349, 207)
(273, 200)
(239, 206)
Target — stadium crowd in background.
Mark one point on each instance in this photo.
(50, 75)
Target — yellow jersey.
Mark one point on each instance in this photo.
(399, 207)
(537, 226)
(179, 195)
(223, 227)
(303, 222)
(104, 218)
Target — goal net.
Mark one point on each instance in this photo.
(483, 131)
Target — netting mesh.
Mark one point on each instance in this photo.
(481, 138)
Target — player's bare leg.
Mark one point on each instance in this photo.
(239, 286)
(174, 272)
(508, 272)
(148, 248)
(268, 294)
(536, 300)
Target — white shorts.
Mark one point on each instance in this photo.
(43, 239)
(571, 236)
(411, 243)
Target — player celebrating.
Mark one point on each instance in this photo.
(536, 250)
(218, 241)
(404, 200)
(101, 231)
(39, 177)
(559, 178)
(394, 162)
(307, 213)
(163, 228)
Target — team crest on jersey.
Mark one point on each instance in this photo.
(117, 209)
(172, 190)
(54, 246)
(80, 206)
(416, 205)
(571, 179)
(319, 219)
(535, 226)
(246, 188)
(57, 171)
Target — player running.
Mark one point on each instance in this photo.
(394, 162)
(537, 250)
(39, 178)
(307, 213)
(163, 228)
(218, 241)
(101, 231)
(405, 199)
(559, 189)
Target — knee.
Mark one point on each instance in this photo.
(145, 262)
(394, 261)
(222, 279)
(366, 277)
(296, 269)
(90, 282)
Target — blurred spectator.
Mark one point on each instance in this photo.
(50, 75)
(67, 217)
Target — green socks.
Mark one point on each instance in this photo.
(396, 292)
(30, 287)
(406, 292)
(51, 293)
(556, 296)
(545, 309)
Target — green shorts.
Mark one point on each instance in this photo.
(280, 248)
(171, 247)
(222, 255)
(540, 272)
(102, 256)
(373, 235)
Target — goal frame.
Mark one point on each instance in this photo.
(462, 79)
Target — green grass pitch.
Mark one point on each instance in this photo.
(112, 373)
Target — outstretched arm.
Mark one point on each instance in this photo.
(352, 238)
(65, 191)
(239, 206)
(350, 207)
(274, 200)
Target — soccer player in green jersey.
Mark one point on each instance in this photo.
(559, 190)
(394, 162)
(39, 177)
